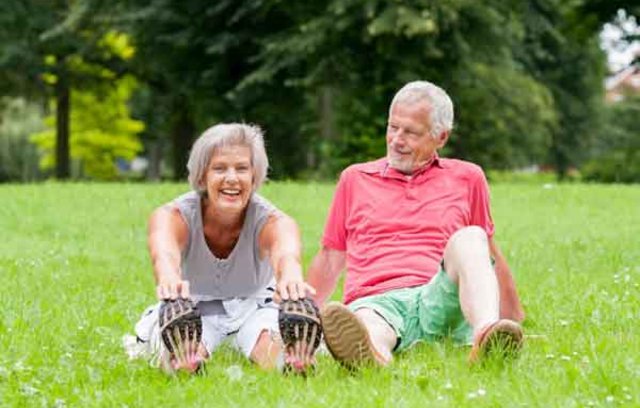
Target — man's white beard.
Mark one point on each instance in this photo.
(403, 166)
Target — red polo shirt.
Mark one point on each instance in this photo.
(394, 228)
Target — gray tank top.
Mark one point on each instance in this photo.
(243, 273)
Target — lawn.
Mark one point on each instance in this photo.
(75, 276)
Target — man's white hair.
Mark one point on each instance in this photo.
(224, 135)
(438, 100)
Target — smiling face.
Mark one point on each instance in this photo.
(410, 143)
(229, 178)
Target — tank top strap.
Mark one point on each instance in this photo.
(188, 204)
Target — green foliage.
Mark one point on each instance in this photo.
(617, 155)
(18, 157)
(102, 131)
(616, 166)
(561, 50)
(64, 44)
(525, 76)
(505, 117)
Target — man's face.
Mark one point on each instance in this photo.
(229, 178)
(409, 140)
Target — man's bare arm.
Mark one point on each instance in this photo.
(324, 272)
(510, 306)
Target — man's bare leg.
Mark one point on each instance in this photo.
(357, 338)
(382, 336)
(468, 263)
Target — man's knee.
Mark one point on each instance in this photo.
(370, 317)
(464, 245)
(467, 235)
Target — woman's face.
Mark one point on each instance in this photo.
(229, 178)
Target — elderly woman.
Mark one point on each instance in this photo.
(226, 248)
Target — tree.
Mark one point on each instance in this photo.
(191, 56)
(42, 38)
(102, 131)
(363, 51)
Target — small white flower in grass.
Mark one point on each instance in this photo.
(234, 372)
(590, 403)
(59, 403)
(28, 390)
(563, 323)
(565, 358)
(19, 366)
(472, 395)
(627, 397)
(482, 392)
(440, 398)
(448, 385)
(551, 356)
(610, 399)
(548, 186)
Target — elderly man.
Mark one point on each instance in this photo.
(415, 234)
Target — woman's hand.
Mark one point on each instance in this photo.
(173, 289)
(292, 286)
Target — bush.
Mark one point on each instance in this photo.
(614, 167)
(617, 157)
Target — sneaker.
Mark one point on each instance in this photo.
(502, 338)
(347, 337)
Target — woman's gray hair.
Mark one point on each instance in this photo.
(224, 135)
(440, 103)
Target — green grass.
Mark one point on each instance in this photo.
(75, 277)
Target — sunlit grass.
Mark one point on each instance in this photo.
(75, 277)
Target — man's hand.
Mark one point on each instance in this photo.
(173, 289)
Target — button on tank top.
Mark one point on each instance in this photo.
(242, 273)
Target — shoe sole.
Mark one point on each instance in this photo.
(346, 337)
(504, 338)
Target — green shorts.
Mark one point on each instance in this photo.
(429, 312)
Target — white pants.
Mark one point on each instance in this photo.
(237, 322)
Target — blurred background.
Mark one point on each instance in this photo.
(119, 89)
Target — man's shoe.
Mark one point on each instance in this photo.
(347, 337)
(503, 338)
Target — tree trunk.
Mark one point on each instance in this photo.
(182, 136)
(327, 123)
(155, 160)
(63, 110)
(561, 161)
